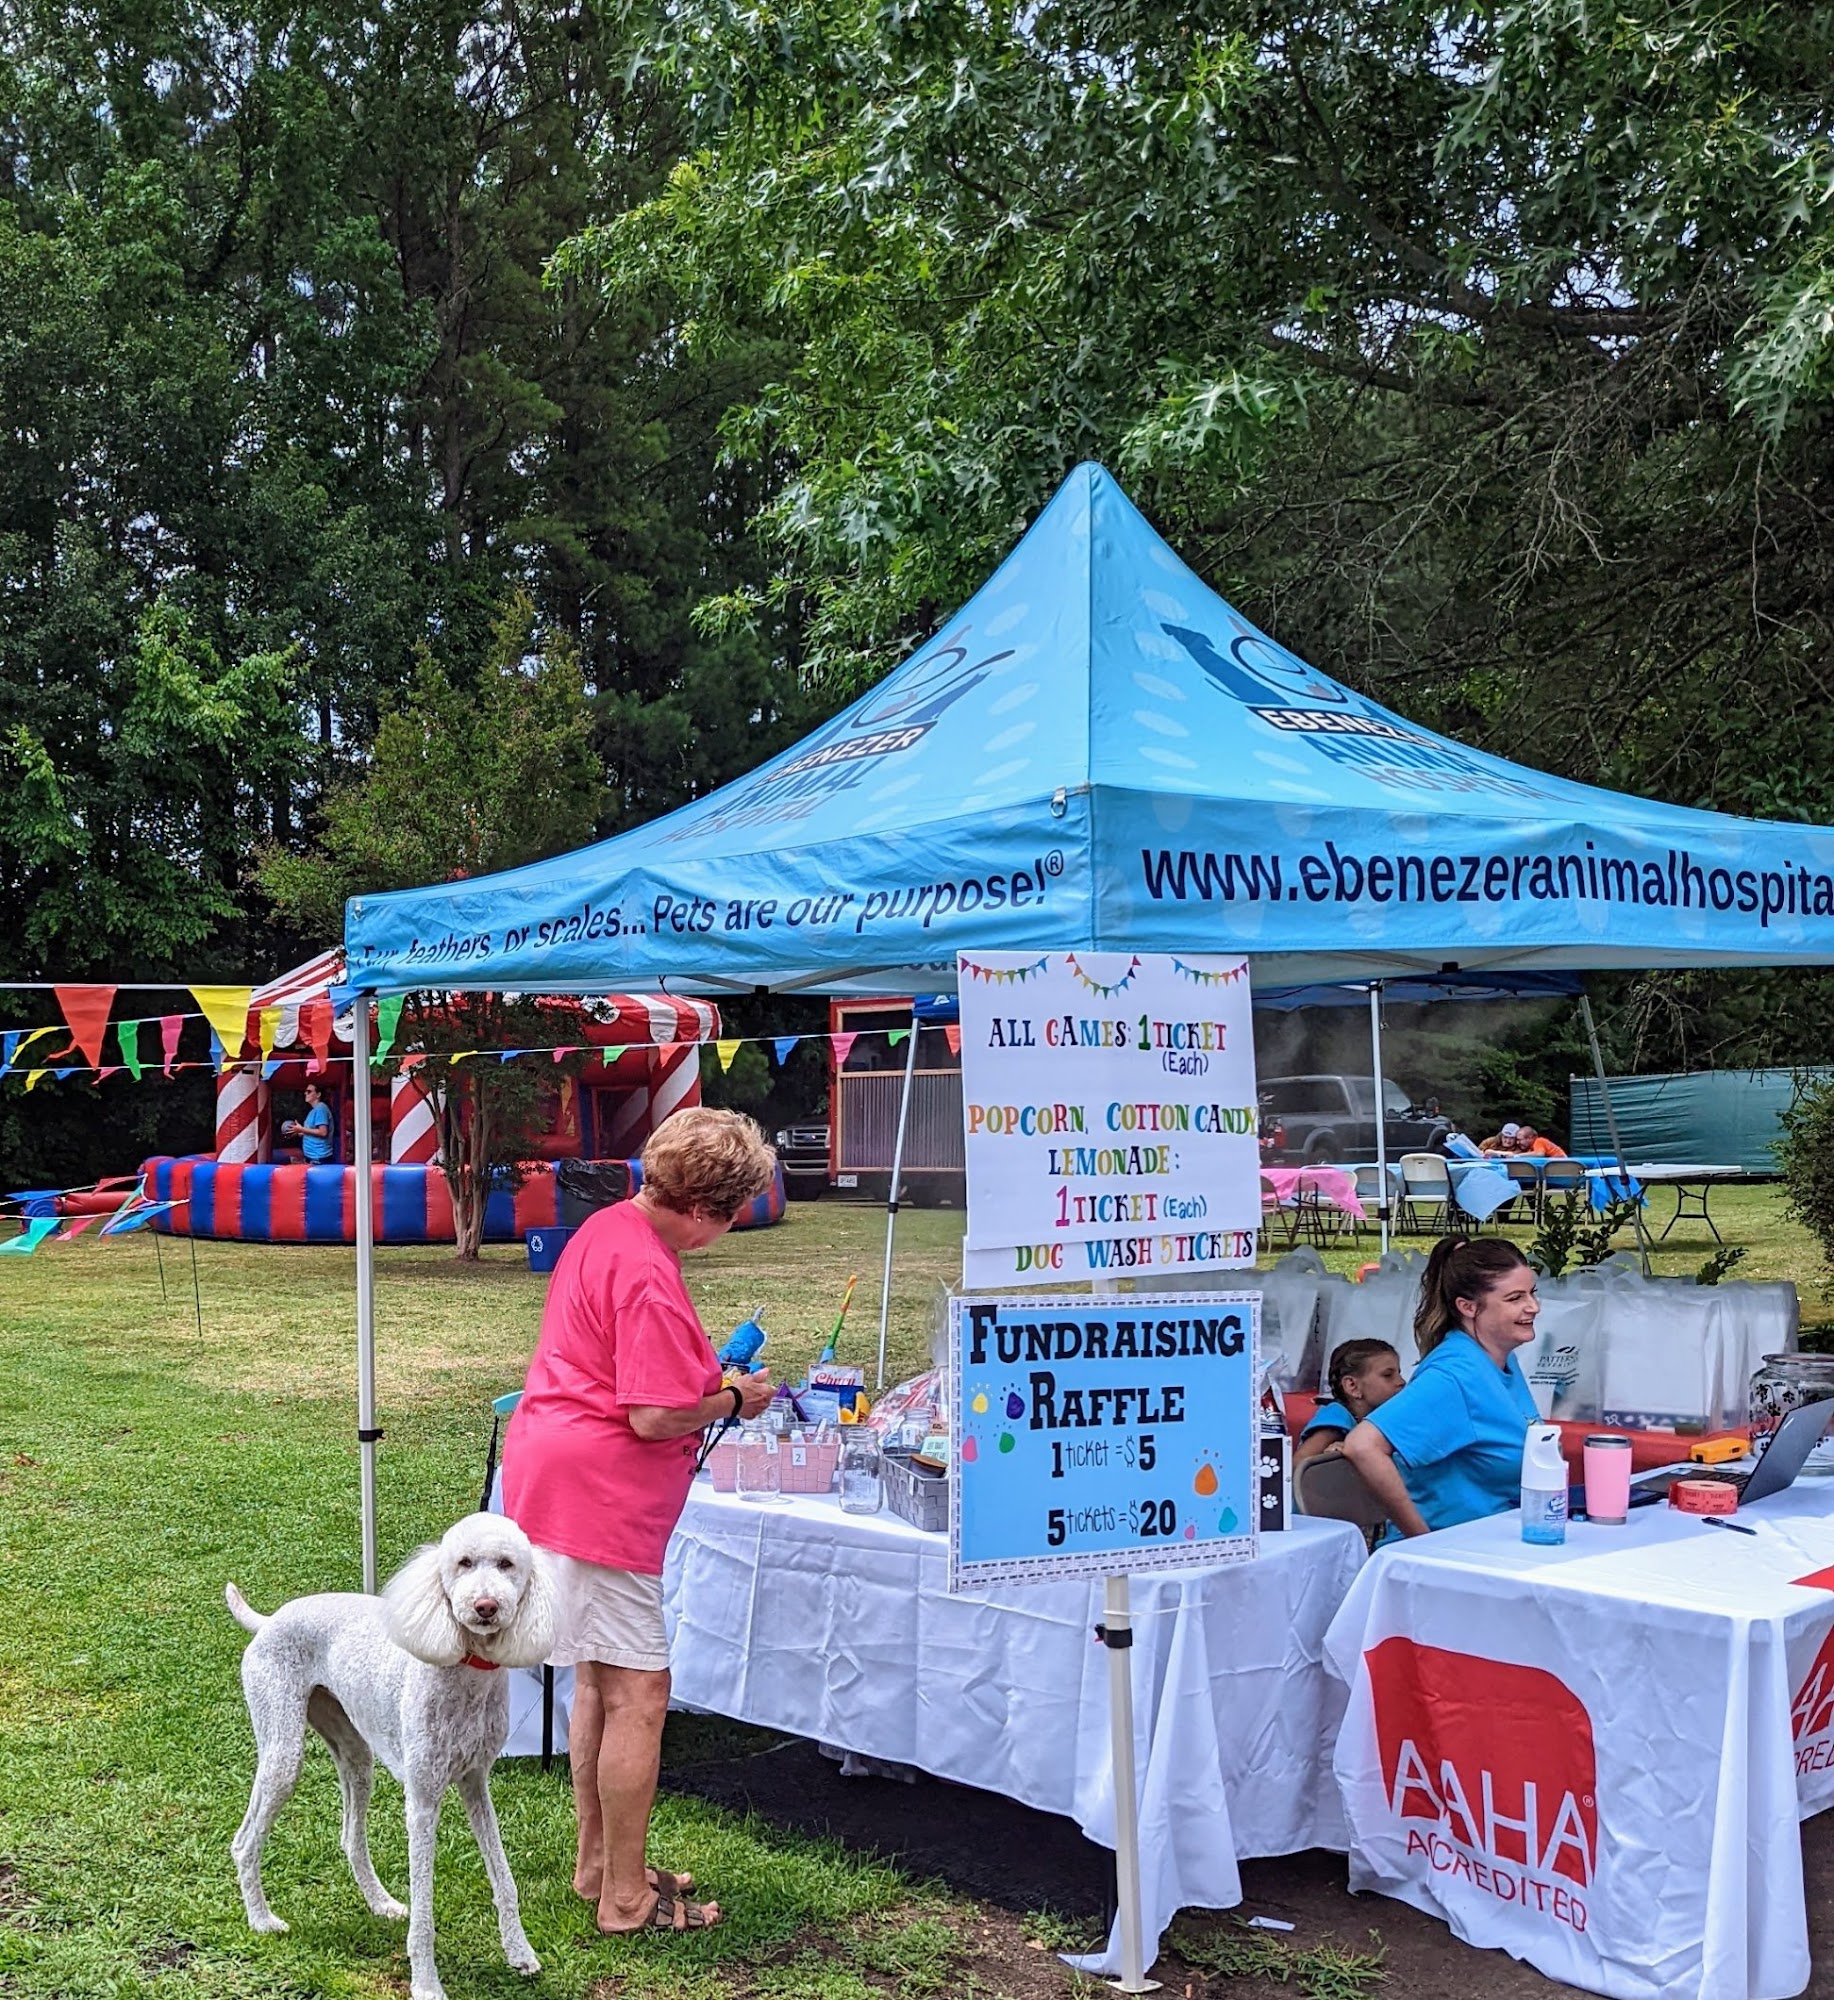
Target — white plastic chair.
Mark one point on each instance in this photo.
(1425, 1183)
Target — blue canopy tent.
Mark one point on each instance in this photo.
(1099, 753)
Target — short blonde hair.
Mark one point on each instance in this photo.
(702, 1158)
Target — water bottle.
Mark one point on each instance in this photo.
(1544, 1487)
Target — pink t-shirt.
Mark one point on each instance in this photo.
(619, 1332)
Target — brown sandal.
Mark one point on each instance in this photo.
(678, 1914)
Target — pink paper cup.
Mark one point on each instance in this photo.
(1607, 1470)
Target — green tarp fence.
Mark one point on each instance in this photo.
(1719, 1117)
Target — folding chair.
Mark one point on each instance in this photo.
(1425, 1183)
(1529, 1180)
(1319, 1221)
(1374, 1197)
(1277, 1218)
(1330, 1488)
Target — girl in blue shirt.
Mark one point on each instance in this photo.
(1361, 1376)
(1448, 1448)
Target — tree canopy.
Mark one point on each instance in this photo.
(1484, 355)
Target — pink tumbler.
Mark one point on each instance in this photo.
(1608, 1480)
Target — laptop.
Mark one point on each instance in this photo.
(1784, 1457)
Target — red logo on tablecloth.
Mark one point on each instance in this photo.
(1495, 1762)
(1811, 1713)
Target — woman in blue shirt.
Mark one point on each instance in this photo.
(314, 1133)
(1448, 1448)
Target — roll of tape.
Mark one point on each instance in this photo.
(1703, 1496)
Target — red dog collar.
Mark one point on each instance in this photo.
(483, 1666)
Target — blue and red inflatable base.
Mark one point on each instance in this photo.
(300, 1204)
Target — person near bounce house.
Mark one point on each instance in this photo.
(1448, 1447)
(314, 1130)
(597, 1463)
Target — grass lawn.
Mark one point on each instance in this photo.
(143, 1463)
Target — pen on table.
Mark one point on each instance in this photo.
(1737, 1527)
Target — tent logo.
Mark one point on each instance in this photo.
(894, 717)
(1490, 1768)
(1281, 690)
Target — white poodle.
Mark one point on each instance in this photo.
(410, 1677)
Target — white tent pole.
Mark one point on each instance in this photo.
(1617, 1144)
(1381, 1123)
(891, 1205)
(367, 1433)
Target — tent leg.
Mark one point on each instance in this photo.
(1617, 1144)
(367, 1433)
(1381, 1123)
(891, 1206)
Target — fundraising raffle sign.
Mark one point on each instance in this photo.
(1099, 1438)
(1110, 1115)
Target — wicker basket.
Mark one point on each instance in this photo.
(915, 1494)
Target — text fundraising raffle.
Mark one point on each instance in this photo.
(1101, 1438)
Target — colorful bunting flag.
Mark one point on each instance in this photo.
(954, 1034)
(112, 1069)
(727, 1048)
(315, 1029)
(37, 1228)
(171, 1026)
(783, 1045)
(127, 1033)
(77, 1227)
(226, 1009)
(130, 1219)
(266, 1024)
(843, 1047)
(86, 1011)
(9, 1043)
(508, 1055)
(22, 1043)
(269, 1067)
(388, 1020)
(218, 1058)
(893, 1036)
(34, 1077)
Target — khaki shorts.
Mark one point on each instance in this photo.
(613, 1616)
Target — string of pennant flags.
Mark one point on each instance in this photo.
(91, 1042)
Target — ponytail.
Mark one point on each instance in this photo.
(1461, 1267)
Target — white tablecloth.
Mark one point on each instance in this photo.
(1595, 1757)
(840, 1627)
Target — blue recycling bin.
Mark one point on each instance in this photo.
(545, 1246)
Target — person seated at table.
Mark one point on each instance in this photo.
(1448, 1447)
(1528, 1140)
(1362, 1375)
(1507, 1140)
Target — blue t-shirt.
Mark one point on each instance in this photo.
(315, 1141)
(1458, 1430)
(1329, 1417)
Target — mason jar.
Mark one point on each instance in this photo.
(1784, 1382)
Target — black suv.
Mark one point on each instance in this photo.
(1318, 1120)
(803, 1151)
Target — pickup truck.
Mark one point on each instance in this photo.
(1319, 1120)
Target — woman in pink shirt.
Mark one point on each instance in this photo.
(596, 1468)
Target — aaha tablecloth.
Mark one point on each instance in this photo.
(1595, 1757)
(840, 1627)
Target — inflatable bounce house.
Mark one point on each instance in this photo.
(251, 1190)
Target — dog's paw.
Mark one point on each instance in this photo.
(268, 1924)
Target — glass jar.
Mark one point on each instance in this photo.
(760, 1464)
(862, 1471)
(1782, 1384)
